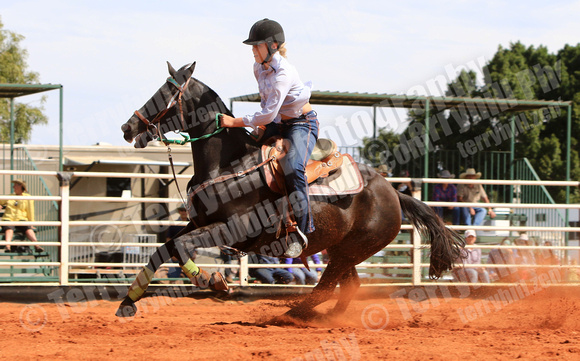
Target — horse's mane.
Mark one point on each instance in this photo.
(209, 95)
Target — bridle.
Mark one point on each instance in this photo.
(176, 99)
(180, 90)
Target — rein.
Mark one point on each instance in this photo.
(187, 139)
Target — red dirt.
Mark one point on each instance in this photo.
(542, 326)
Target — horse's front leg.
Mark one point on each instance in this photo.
(182, 249)
(127, 308)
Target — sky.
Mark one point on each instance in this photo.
(110, 56)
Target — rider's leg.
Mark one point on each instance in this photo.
(302, 135)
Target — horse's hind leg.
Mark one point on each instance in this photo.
(321, 293)
(349, 284)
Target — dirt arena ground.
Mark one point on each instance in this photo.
(419, 326)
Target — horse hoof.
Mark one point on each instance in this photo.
(302, 314)
(127, 308)
(217, 282)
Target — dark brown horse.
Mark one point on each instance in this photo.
(244, 214)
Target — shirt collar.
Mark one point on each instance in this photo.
(274, 63)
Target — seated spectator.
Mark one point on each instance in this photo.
(502, 256)
(405, 187)
(470, 256)
(546, 257)
(19, 210)
(303, 276)
(446, 192)
(268, 275)
(473, 193)
(384, 170)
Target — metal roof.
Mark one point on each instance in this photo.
(18, 90)
(411, 101)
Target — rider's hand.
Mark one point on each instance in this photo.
(230, 122)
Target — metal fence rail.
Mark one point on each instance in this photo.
(72, 255)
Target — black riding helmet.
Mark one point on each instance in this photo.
(266, 31)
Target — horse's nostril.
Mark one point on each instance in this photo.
(126, 128)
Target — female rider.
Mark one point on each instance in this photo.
(285, 111)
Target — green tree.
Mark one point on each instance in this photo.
(520, 72)
(13, 70)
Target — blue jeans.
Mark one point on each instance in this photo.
(471, 275)
(477, 219)
(302, 133)
(271, 275)
(304, 276)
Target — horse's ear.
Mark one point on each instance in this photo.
(171, 70)
(191, 67)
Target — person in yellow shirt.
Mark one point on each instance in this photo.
(19, 210)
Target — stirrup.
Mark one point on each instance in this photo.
(296, 247)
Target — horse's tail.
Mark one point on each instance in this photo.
(446, 244)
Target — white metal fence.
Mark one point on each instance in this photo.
(75, 258)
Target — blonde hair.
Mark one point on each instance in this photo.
(282, 49)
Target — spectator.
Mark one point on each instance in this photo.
(405, 187)
(384, 170)
(446, 192)
(268, 275)
(503, 256)
(547, 257)
(19, 210)
(473, 193)
(470, 256)
(226, 257)
(302, 275)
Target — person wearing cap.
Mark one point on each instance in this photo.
(19, 210)
(446, 192)
(286, 111)
(473, 193)
(470, 256)
(405, 187)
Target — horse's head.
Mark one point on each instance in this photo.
(142, 126)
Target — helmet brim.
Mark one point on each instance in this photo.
(253, 42)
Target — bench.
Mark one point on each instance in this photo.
(28, 257)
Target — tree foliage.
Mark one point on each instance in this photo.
(516, 72)
(13, 70)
